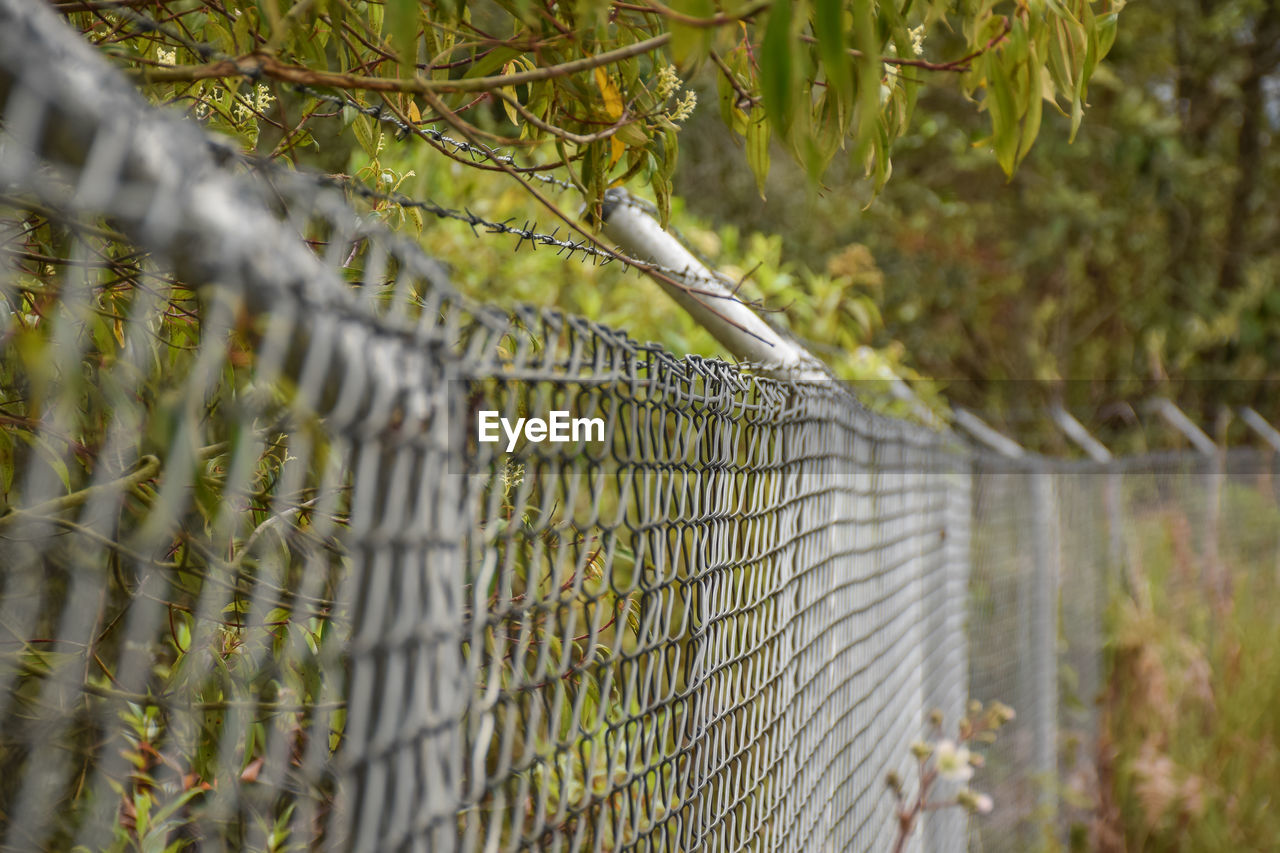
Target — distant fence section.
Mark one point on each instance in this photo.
(259, 592)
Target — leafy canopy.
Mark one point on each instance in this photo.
(596, 86)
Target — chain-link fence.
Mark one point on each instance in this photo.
(261, 592)
(1069, 557)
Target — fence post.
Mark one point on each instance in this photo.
(1112, 505)
(703, 293)
(1271, 436)
(1037, 615)
(1213, 574)
(1258, 424)
(1044, 636)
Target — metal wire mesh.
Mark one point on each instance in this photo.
(260, 591)
(1058, 547)
(254, 596)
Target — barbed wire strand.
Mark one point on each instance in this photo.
(685, 279)
(209, 52)
(569, 249)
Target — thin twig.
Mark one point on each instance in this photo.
(957, 65)
(258, 64)
(148, 468)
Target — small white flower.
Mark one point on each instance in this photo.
(263, 97)
(684, 108)
(974, 801)
(167, 57)
(512, 477)
(953, 761)
(668, 82)
(917, 40)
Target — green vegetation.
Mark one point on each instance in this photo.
(1189, 747)
(240, 580)
(831, 85)
(1140, 257)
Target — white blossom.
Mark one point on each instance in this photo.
(263, 97)
(975, 801)
(917, 40)
(684, 108)
(953, 761)
(668, 82)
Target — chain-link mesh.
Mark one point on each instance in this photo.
(1067, 554)
(253, 596)
(260, 592)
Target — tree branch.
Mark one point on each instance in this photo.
(260, 64)
(148, 467)
(745, 100)
(961, 64)
(559, 132)
(653, 7)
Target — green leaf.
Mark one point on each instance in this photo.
(171, 808)
(1090, 61)
(758, 147)
(777, 86)
(662, 186)
(868, 71)
(1107, 32)
(828, 24)
(1004, 116)
(883, 165)
(367, 134)
(402, 24)
(51, 456)
(219, 36)
(1035, 103)
(242, 32)
(689, 45)
(633, 135)
(1060, 63)
(727, 98)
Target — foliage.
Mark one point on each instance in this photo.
(596, 93)
(595, 82)
(211, 531)
(1188, 749)
(1139, 259)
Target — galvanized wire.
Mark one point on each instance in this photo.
(262, 588)
(295, 605)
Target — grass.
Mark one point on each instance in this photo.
(1191, 743)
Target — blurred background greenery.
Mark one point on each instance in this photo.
(1141, 258)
